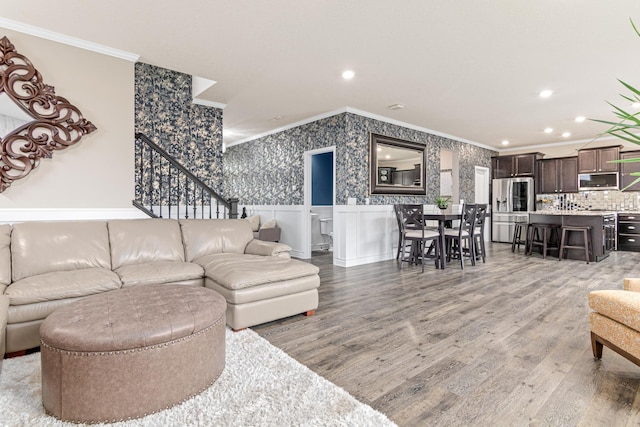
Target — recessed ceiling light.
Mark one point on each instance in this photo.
(396, 107)
(636, 105)
(505, 142)
(566, 134)
(548, 130)
(379, 149)
(580, 119)
(546, 93)
(348, 74)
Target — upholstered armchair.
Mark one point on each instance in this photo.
(615, 320)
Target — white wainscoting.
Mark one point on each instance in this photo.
(363, 234)
(9, 216)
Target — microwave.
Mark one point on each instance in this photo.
(598, 181)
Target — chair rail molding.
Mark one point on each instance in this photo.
(13, 215)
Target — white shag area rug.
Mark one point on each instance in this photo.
(260, 386)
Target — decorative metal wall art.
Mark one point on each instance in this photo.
(52, 123)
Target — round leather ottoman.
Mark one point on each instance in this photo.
(130, 352)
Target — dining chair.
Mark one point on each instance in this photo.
(478, 234)
(396, 210)
(414, 231)
(460, 241)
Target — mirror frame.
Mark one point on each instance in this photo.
(56, 124)
(419, 148)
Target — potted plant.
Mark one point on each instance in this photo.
(442, 202)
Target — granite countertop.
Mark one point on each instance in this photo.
(576, 212)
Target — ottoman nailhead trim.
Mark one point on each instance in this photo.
(130, 418)
(93, 353)
(203, 331)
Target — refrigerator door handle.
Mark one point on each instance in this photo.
(510, 196)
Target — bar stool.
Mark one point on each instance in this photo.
(548, 231)
(517, 236)
(586, 240)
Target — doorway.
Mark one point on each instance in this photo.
(319, 198)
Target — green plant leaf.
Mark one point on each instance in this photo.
(634, 160)
(637, 180)
(631, 88)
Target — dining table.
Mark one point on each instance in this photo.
(442, 216)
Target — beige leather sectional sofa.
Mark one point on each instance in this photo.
(45, 265)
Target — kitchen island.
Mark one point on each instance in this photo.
(603, 229)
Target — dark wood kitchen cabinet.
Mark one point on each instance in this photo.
(517, 165)
(628, 232)
(597, 160)
(558, 175)
(627, 168)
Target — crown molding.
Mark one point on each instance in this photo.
(68, 40)
(206, 103)
(418, 128)
(289, 126)
(364, 114)
(557, 144)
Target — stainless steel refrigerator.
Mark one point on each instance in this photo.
(512, 200)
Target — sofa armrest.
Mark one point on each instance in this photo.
(260, 247)
(269, 234)
(632, 284)
(4, 308)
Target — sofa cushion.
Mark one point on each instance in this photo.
(260, 247)
(236, 271)
(159, 273)
(203, 237)
(621, 306)
(254, 220)
(37, 311)
(62, 284)
(265, 291)
(5, 256)
(137, 241)
(269, 224)
(44, 247)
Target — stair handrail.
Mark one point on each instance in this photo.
(231, 205)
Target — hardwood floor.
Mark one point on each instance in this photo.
(504, 343)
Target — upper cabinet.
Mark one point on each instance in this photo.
(516, 165)
(558, 175)
(597, 160)
(626, 169)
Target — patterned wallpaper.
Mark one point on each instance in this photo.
(165, 113)
(269, 170)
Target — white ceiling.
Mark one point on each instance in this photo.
(470, 69)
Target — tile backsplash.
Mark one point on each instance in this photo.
(591, 200)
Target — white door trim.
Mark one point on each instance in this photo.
(482, 182)
(306, 211)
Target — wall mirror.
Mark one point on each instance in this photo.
(34, 121)
(396, 166)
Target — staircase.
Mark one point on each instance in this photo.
(166, 189)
